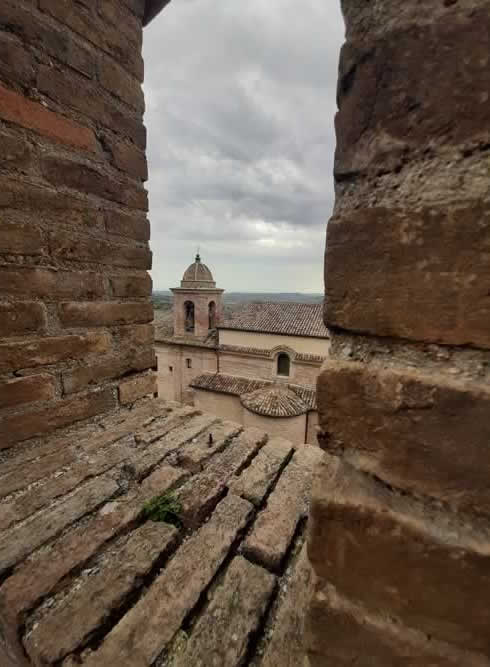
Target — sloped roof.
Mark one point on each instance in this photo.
(274, 402)
(243, 387)
(290, 319)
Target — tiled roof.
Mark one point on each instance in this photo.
(256, 351)
(274, 402)
(240, 386)
(291, 319)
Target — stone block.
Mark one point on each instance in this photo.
(17, 109)
(89, 179)
(51, 350)
(115, 367)
(149, 626)
(20, 239)
(343, 633)
(400, 556)
(15, 153)
(423, 273)
(99, 595)
(64, 246)
(254, 481)
(134, 227)
(120, 83)
(235, 608)
(207, 444)
(15, 428)
(51, 285)
(127, 157)
(132, 390)
(19, 391)
(21, 318)
(16, 63)
(130, 285)
(276, 524)
(422, 433)
(104, 314)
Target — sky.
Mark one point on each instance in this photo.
(240, 102)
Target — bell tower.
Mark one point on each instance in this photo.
(198, 303)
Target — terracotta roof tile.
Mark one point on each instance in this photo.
(274, 402)
(292, 319)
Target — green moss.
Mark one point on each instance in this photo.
(165, 508)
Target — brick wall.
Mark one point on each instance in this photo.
(400, 530)
(74, 305)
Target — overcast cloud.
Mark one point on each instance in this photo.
(240, 105)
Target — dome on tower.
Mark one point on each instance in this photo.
(197, 275)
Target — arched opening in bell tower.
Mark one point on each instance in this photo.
(189, 316)
(212, 315)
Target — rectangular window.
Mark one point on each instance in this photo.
(189, 363)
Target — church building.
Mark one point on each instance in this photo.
(257, 367)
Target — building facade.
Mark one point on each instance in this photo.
(257, 367)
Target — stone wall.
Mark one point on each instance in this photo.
(400, 531)
(74, 306)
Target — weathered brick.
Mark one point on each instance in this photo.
(394, 554)
(15, 152)
(51, 285)
(34, 29)
(17, 109)
(104, 314)
(198, 498)
(408, 428)
(16, 63)
(211, 441)
(88, 98)
(255, 480)
(137, 228)
(45, 351)
(22, 539)
(96, 181)
(150, 625)
(130, 285)
(104, 36)
(28, 389)
(28, 424)
(401, 103)
(131, 390)
(65, 246)
(116, 12)
(342, 633)
(276, 524)
(80, 378)
(286, 644)
(21, 318)
(102, 593)
(20, 239)
(371, 255)
(136, 6)
(238, 604)
(120, 83)
(127, 157)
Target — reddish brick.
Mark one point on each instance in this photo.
(108, 369)
(63, 245)
(371, 255)
(17, 109)
(118, 82)
(98, 31)
(105, 314)
(91, 180)
(51, 285)
(62, 413)
(128, 157)
(59, 43)
(52, 350)
(407, 428)
(131, 285)
(137, 228)
(16, 64)
(88, 98)
(131, 390)
(20, 318)
(20, 239)
(26, 390)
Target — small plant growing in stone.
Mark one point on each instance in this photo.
(165, 508)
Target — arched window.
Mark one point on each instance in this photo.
(283, 364)
(189, 316)
(212, 315)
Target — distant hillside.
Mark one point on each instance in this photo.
(162, 299)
